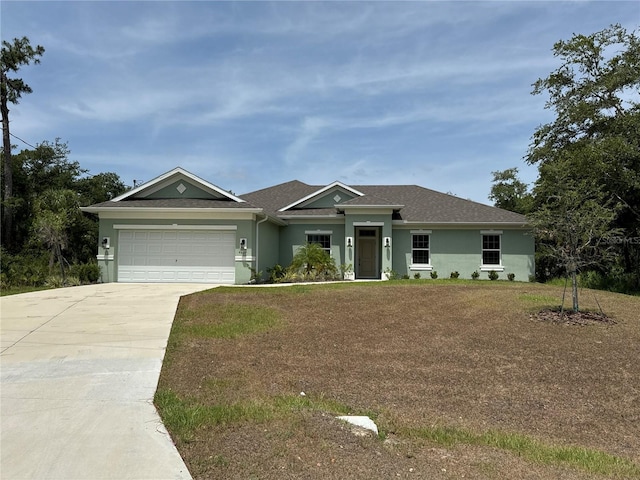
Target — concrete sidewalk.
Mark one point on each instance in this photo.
(79, 368)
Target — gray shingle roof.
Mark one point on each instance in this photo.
(274, 198)
(419, 204)
(425, 205)
(411, 203)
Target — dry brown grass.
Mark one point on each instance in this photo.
(415, 354)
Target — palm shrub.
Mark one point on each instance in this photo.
(85, 272)
(314, 263)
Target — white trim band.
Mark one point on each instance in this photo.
(174, 226)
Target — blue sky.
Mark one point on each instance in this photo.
(250, 94)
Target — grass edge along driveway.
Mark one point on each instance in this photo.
(208, 393)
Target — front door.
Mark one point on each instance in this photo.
(367, 248)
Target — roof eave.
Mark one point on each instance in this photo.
(91, 209)
(307, 217)
(364, 207)
(462, 224)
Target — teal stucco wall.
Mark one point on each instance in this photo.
(293, 237)
(460, 250)
(107, 264)
(269, 247)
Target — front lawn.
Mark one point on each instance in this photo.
(460, 378)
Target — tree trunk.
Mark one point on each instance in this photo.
(574, 287)
(7, 194)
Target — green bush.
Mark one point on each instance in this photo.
(434, 274)
(24, 270)
(454, 275)
(54, 281)
(416, 275)
(314, 263)
(493, 275)
(276, 273)
(511, 276)
(475, 275)
(616, 280)
(392, 274)
(85, 272)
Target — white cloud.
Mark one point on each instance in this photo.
(258, 92)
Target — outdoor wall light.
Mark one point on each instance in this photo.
(387, 242)
(349, 242)
(243, 244)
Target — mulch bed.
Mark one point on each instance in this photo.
(569, 317)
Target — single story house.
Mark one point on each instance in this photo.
(181, 228)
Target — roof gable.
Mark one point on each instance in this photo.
(326, 197)
(178, 184)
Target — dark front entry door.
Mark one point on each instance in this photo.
(367, 252)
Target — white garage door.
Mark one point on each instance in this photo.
(205, 256)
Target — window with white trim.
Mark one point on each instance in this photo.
(491, 249)
(322, 239)
(420, 249)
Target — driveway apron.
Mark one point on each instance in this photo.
(79, 367)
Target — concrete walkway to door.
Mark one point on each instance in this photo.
(79, 367)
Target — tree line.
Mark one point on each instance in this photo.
(46, 239)
(584, 207)
(585, 204)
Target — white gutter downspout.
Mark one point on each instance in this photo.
(266, 217)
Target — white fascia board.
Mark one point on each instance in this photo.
(174, 226)
(404, 223)
(276, 220)
(320, 192)
(167, 210)
(308, 217)
(157, 183)
(369, 207)
(182, 214)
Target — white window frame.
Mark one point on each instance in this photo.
(327, 233)
(420, 266)
(498, 267)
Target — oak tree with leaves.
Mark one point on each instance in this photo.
(588, 157)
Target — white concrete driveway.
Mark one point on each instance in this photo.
(79, 369)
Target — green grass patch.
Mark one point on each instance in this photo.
(539, 299)
(18, 290)
(592, 461)
(226, 321)
(184, 417)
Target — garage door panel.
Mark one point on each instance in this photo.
(176, 256)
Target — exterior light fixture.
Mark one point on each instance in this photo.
(349, 242)
(387, 242)
(243, 244)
